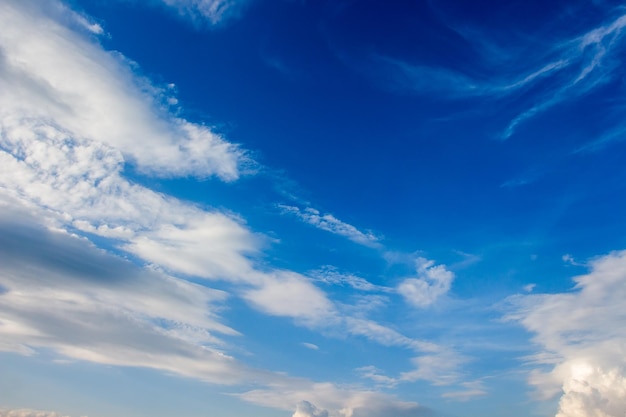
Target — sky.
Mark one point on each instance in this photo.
(298, 208)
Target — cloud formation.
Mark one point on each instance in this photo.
(567, 68)
(582, 340)
(330, 400)
(331, 224)
(54, 78)
(23, 412)
(72, 117)
(213, 12)
(432, 282)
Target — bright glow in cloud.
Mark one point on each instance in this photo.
(583, 338)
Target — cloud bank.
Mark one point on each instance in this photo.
(28, 413)
(582, 340)
(73, 116)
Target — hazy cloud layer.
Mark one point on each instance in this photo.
(28, 413)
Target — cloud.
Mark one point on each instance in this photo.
(557, 71)
(62, 293)
(432, 282)
(54, 78)
(330, 275)
(72, 117)
(213, 12)
(326, 399)
(470, 390)
(582, 340)
(306, 409)
(288, 294)
(375, 374)
(330, 223)
(440, 368)
(23, 412)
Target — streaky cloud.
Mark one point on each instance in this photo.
(25, 412)
(207, 12)
(331, 224)
(562, 70)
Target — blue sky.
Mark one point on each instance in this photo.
(312, 208)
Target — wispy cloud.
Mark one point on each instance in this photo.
(24, 412)
(469, 391)
(330, 223)
(558, 71)
(582, 340)
(331, 275)
(211, 12)
(311, 346)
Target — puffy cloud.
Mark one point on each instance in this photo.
(306, 409)
(432, 282)
(583, 340)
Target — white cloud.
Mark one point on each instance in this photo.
(331, 224)
(213, 12)
(321, 399)
(306, 409)
(330, 275)
(432, 282)
(23, 412)
(311, 346)
(440, 368)
(71, 116)
(375, 374)
(288, 294)
(574, 67)
(582, 337)
(470, 390)
(208, 245)
(62, 293)
(53, 77)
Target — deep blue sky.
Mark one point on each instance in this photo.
(312, 208)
